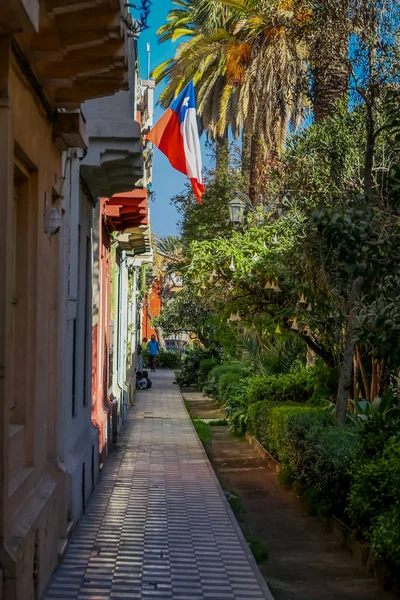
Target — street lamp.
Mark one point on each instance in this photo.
(237, 207)
(236, 210)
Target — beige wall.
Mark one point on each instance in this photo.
(32, 509)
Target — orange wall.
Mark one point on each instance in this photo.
(155, 309)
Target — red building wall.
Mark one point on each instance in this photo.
(101, 403)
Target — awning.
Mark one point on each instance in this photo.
(128, 211)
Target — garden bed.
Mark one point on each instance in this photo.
(361, 551)
(306, 561)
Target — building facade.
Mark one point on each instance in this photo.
(53, 58)
(116, 169)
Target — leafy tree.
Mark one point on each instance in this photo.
(327, 263)
(185, 313)
(210, 220)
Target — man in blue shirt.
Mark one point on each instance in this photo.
(153, 348)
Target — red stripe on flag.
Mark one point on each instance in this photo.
(166, 136)
(198, 189)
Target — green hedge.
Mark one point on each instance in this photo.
(310, 446)
(374, 501)
(321, 452)
(384, 535)
(232, 367)
(291, 387)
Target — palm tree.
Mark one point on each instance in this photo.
(328, 53)
(273, 90)
(200, 58)
(249, 73)
(324, 29)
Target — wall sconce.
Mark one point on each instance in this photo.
(52, 219)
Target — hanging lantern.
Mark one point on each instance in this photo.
(278, 330)
(302, 299)
(294, 325)
(268, 286)
(232, 265)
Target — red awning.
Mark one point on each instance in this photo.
(127, 210)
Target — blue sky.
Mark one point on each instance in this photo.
(166, 181)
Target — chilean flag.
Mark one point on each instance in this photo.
(177, 136)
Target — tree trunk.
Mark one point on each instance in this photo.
(374, 379)
(369, 153)
(222, 152)
(328, 55)
(346, 368)
(257, 167)
(313, 346)
(363, 373)
(356, 372)
(246, 155)
(310, 360)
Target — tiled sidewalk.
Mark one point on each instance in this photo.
(158, 526)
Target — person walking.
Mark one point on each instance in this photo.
(153, 347)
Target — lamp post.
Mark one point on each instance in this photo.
(236, 210)
(238, 206)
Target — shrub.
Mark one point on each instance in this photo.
(384, 535)
(211, 387)
(375, 487)
(375, 434)
(168, 359)
(231, 367)
(282, 420)
(230, 387)
(290, 387)
(259, 415)
(205, 366)
(322, 383)
(191, 364)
